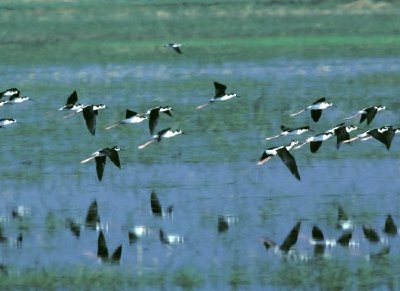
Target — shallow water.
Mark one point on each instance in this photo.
(210, 172)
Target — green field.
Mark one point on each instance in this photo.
(102, 32)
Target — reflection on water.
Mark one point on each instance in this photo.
(200, 201)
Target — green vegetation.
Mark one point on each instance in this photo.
(40, 31)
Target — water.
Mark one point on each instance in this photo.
(208, 173)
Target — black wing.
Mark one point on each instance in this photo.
(390, 226)
(155, 204)
(370, 234)
(168, 112)
(116, 256)
(161, 133)
(153, 119)
(384, 137)
(92, 216)
(219, 89)
(284, 128)
(222, 224)
(102, 250)
(130, 113)
(74, 227)
(289, 161)
(317, 234)
(341, 135)
(344, 239)
(291, 239)
(114, 157)
(319, 100)
(72, 99)
(369, 115)
(100, 164)
(315, 145)
(90, 119)
(177, 49)
(316, 114)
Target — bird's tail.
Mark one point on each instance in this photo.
(202, 106)
(146, 144)
(355, 115)
(114, 125)
(297, 113)
(87, 160)
(271, 137)
(300, 145)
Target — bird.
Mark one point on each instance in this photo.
(102, 250)
(342, 133)
(130, 118)
(175, 46)
(14, 99)
(370, 234)
(6, 122)
(316, 141)
(71, 104)
(290, 131)
(316, 108)
(344, 239)
(100, 157)
(384, 134)
(165, 133)
(220, 94)
(390, 227)
(343, 222)
(170, 239)
(368, 113)
(289, 241)
(73, 226)
(283, 153)
(90, 113)
(10, 93)
(154, 113)
(92, 219)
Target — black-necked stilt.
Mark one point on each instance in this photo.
(90, 113)
(385, 135)
(316, 141)
(344, 222)
(102, 250)
(283, 153)
(390, 227)
(370, 234)
(344, 239)
(289, 241)
(10, 93)
(6, 122)
(72, 105)
(154, 113)
(74, 226)
(165, 133)
(18, 99)
(170, 239)
(220, 94)
(290, 131)
(316, 108)
(342, 132)
(130, 118)
(368, 113)
(100, 157)
(156, 208)
(92, 219)
(175, 46)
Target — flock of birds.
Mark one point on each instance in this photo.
(384, 134)
(346, 239)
